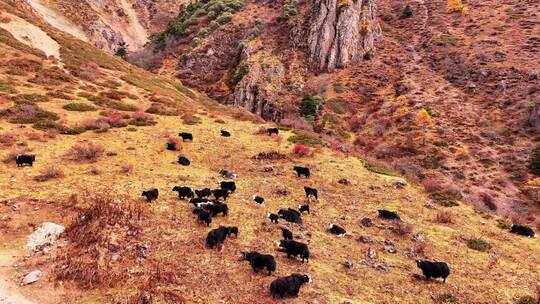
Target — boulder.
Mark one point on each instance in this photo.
(46, 234)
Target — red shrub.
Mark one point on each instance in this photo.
(301, 150)
(431, 184)
(115, 120)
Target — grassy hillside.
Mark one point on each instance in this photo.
(99, 127)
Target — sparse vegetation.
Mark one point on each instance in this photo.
(478, 245)
(379, 168)
(85, 151)
(305, 138)
(534, 160)
(48, 173)
(444, 217)
(79, 107)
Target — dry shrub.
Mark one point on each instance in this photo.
(85, 151)
(105, 225)
(272, 155)
(401, 228)
(7, 139)
(444, 217)
(33, 135)
(296, 123)
(127, 168)
(140, 118)
(90, 71)
(488, 201)
(95, 171)
(51, 134)
(115, 120)
(48, 173)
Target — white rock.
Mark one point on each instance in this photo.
(47, 233)
(32, 277)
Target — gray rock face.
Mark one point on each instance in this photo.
(341, 33)
(259, 89)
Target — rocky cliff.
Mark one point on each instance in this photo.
(341, 33)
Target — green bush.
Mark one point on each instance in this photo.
(479, 245)
(29, 98)
(379, 168)
(310, 106)
(534, 160)
(306, 139)
(241, 70)
(79, 107)
(289, 9)
(225, 17)
(59, 95)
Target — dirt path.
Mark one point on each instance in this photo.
(9, 293)
(31, 35)
(57, 20)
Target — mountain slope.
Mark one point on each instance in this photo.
(445, 98)
(99, 129)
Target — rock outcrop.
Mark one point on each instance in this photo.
(260, 87)
(341, 33)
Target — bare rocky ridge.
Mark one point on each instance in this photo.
(341, 34)
(109, 23)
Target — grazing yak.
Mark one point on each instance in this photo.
(216, 208)
(259, 261)
(311, 192)
(258, 199)
(25, 159)
(337, 230)
(274, 218)
(184, 161)
(184, 192)
(271, 131)
(522, 230)
(301, 171)
(205, 192)
(217, 236)
(388, 215)
(288, 286)
(171, 146)
(434, 269)
(290, 215)
(303, 208)
(203, 215)
(151, 194)
(294, 248)
(227, 174)
(197, 200)
(186, 136)
(225, 133)
(229, 186)
(286, 233)
(220, 193)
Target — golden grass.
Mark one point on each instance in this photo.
(178, 241)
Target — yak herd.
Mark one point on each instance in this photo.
(209, 203)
